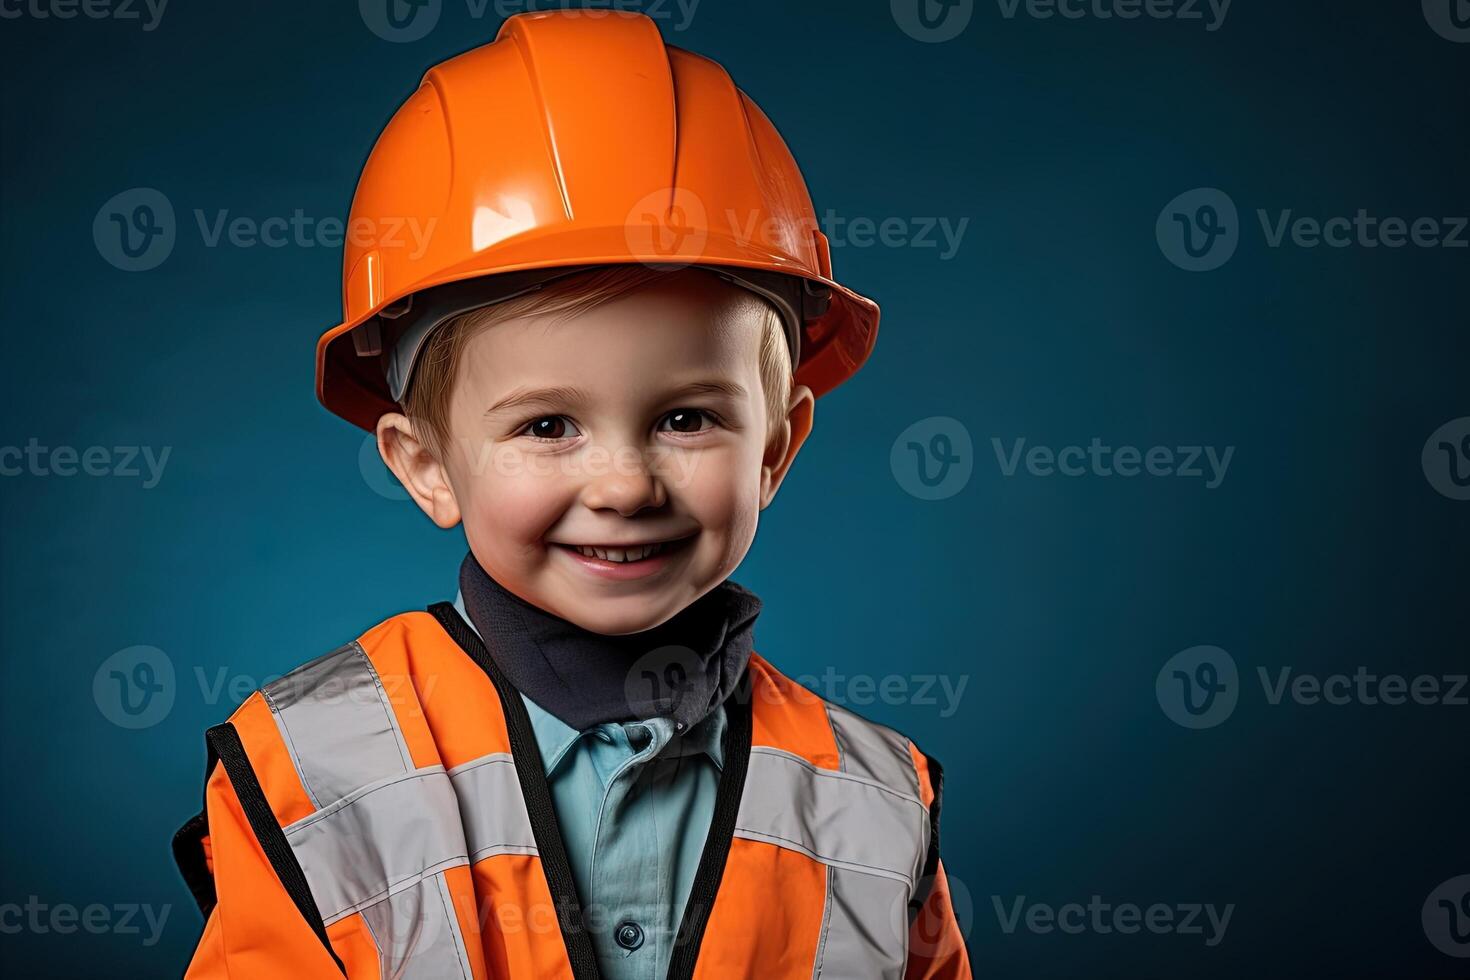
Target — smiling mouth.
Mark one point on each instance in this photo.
(626, 554)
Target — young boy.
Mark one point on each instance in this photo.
(602, 364)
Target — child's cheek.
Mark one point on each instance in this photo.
(722, 489)
(514, 504)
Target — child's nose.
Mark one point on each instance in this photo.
(626, 492)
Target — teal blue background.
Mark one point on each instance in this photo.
(1059, 320)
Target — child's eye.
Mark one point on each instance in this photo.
(687, 420)
(550, 428)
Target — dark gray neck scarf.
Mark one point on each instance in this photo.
(681, 669)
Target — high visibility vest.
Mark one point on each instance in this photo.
(382, 811)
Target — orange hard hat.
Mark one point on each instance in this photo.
(577, 139)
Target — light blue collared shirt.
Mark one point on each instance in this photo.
(634, 802)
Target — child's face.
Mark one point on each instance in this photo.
(641, 421)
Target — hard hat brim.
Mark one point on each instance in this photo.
(833, 346)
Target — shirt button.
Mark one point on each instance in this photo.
(629, 935)
(602, 735)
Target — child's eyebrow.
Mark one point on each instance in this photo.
(713, 387)
(544, 397)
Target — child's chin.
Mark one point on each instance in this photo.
(618, 617)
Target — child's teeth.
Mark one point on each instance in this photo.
(619, 554)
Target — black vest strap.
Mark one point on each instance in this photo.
(544, 827)
(225, 746)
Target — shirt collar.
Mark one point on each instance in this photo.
(555, 738)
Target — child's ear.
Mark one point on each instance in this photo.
(423, 476)
(786, 442)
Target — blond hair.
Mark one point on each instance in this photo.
(426, 402)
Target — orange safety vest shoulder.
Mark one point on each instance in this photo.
(382, 811)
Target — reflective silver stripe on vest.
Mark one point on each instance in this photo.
(337, 724)
(865, 821)
(411, 937)
(494, 811)
(841, 819)
(864, 928)
(378, 841)
(872, 750)
(384, 832)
